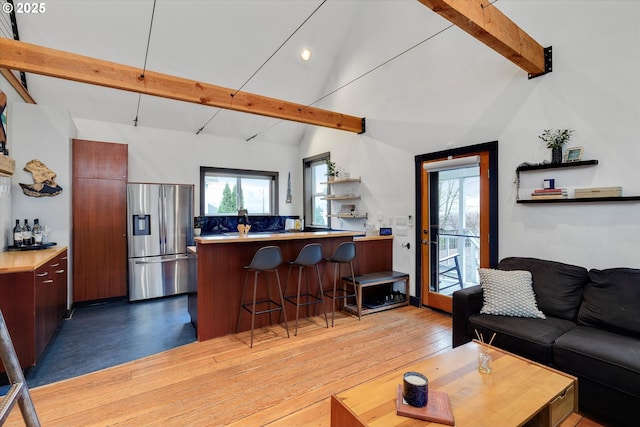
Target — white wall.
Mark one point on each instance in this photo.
(163, 156)
(453, 91)
(43, 133)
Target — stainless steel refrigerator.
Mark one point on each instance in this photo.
(159, 228)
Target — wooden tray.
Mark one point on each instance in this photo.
(31, 248)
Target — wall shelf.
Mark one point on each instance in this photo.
(555, 165)
(345, 197)
(7, 165)
(342, 181)
(541, 166)
(584, 200)
(345, 211)
(348, 216)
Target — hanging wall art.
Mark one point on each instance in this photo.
(44, 180)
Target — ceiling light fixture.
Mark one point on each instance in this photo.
(305, 54)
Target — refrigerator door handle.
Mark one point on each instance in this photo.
(160, 261)
(161, 213)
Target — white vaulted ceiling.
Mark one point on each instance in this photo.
(224, 42)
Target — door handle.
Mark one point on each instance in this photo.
(426, 242)
(160, 261)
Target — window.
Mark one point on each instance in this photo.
(224, 191)
(316, 207)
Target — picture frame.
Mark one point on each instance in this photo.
(573, 154)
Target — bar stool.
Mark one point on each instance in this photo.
(344, 253)
(310, 256)
(266, 259)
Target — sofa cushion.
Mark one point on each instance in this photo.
(601, 356)
(528, 337)
(558, 286)
(508, 293)
(612, 301)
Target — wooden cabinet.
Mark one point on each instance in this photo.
(33, 303)
(50, 283)
(99, 220)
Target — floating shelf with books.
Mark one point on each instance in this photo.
(584, 200)
(560, 195)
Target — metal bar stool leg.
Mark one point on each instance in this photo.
(295, 333)
(253, 311)
(336, 272)
(283, 311)
(244, 291)
(324, 307)
(269, 298)
(355, 291)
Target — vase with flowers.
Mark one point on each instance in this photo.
(555, 140)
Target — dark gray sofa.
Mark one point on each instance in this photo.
(591, 331)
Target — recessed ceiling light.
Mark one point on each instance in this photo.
(305, 54)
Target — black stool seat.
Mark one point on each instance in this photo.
(267, 259)
(310, 256)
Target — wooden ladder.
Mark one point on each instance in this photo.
(19, 392)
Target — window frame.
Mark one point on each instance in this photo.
(308, 194)
(239, 174)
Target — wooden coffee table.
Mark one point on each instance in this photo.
(517, 392)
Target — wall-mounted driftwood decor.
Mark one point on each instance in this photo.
(44, 180)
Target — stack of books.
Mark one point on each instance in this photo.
(549, 193)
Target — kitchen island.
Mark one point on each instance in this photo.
(214, 305)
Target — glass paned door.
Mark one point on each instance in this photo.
(454, 229)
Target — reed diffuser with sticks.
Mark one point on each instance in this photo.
(485, 361)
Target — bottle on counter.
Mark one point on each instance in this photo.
(27, 236)
(17, 234)
(37, 233)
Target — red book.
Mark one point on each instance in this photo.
(438, 408)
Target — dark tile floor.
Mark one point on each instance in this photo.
(103, 335)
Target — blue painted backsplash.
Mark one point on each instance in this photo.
(227, 224)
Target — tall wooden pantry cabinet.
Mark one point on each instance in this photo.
(99, 209)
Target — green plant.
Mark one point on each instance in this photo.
(332, 168)
(556, 138)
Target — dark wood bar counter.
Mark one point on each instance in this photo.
(214, 306)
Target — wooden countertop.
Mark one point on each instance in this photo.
(21, 261)
(366, 238)
(257, 237)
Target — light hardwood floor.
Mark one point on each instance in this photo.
(280, 382)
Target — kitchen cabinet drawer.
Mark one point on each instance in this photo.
(563, 405)
(559, 408)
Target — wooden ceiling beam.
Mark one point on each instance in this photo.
(17, 55)
(486, 23)
(17, 85)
